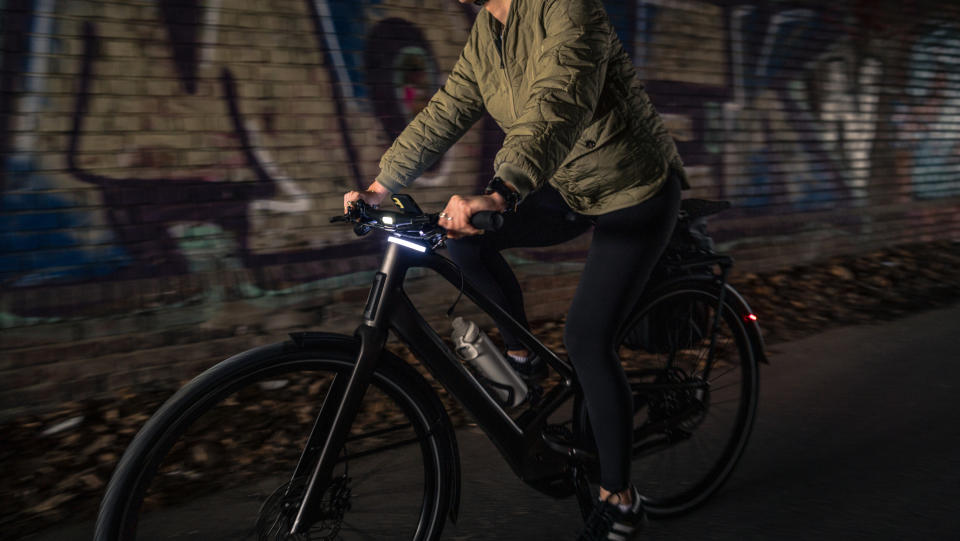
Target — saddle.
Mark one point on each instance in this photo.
(691, 228)
(692, 209)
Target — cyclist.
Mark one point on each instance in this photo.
(584, 147)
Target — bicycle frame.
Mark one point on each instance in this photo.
(553, 469)
(389, 308)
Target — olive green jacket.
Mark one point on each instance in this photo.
(564, 91)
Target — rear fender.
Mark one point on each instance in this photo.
(750, 323)
(731, 297)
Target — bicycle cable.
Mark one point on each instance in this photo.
(459, 293)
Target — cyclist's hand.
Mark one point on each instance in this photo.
(373, 195)
(456, 216)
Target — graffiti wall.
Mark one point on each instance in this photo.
(162, 153)
(156, 127)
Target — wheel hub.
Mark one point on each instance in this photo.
(278, 512)
(684, 407)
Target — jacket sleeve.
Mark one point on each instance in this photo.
(450, 113)
(571, 70)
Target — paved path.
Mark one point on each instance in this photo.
(857, 437)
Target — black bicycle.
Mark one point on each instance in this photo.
(328, 436)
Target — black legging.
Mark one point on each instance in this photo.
(626, 245)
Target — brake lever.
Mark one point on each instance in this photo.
(364, 223)
(355, 210)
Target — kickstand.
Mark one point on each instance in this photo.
(582, 487)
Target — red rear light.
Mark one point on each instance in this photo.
(750, 317)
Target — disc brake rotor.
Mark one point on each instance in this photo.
(278, 512)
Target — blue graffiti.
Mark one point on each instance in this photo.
(37, 240)
(350, 30)
(42, 234)
(933, 93)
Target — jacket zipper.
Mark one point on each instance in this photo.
(501, 43)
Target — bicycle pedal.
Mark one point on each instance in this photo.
(534, 394)
(560, 439)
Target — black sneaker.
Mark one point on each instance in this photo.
(533, 369)
(608, 523)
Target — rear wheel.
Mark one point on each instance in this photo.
(216, 461)
(695, 395)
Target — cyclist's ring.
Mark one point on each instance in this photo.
(446, 216)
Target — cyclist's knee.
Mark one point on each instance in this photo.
(578, 341)
(584, 341)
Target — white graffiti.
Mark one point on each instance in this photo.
(815, 110)
(34, 98)
(297, 200)
(849, 116)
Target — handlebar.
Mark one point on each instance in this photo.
(417, 226)
(487, 220)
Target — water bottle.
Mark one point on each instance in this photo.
(475, 347)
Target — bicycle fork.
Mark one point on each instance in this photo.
(333, 424)
(343, 400)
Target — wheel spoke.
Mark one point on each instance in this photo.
(722, 387)
(705, 351)
(678, 475)
(731, 369)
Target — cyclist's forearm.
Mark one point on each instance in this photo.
(428, 136)
(379, 188)
(418, 147)
(387, 181)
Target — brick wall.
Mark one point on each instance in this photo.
(168, 166)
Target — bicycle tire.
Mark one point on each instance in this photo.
(688, 306)
(146, 464)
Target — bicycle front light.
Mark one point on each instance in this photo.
(407, 244)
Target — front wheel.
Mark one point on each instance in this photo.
(216, 461)
(695, 395)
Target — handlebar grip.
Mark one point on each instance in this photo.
(487, 220)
